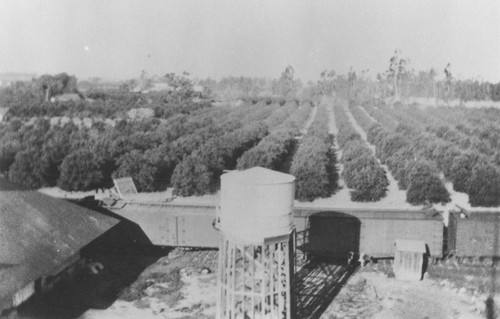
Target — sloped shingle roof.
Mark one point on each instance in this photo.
(38, 233)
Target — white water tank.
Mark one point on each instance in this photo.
(256, 203)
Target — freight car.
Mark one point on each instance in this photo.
(473, 234)
(321, 230)
(169, 224)
(371, 232)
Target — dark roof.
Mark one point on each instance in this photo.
(38, 233)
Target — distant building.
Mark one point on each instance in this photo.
(3, 111)
(7, 78)
(160, 86)
(84, 86)
(66, 97)
(198, 89)
(41, 238)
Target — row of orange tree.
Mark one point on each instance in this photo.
(362, 173)
(74, 157)
(464, 151)
(443, 150)
(401, 150)
(200, 168)
(276, 150)
(314, 163)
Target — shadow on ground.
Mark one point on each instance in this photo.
(317, 283)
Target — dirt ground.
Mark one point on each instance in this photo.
(183, 285)
(375, 295)
(179, 285)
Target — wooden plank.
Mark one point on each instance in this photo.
(281, 272)
(265, 278)
(244, 253)
(233, 279)
(272, 279)
(252, 290)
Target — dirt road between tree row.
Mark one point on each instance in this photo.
(393, 189)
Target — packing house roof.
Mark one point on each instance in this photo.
(38, 233)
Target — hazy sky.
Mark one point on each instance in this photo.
(119, 38)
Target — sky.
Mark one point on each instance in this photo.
(117, 39)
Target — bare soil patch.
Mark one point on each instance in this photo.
(180, 285)
(184, 285)
(373, 293)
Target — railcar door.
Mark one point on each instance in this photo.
(333, 234)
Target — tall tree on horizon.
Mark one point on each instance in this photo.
(327, 82)
(448, 81)
(397, 69)
(432, 75)
(287, 86)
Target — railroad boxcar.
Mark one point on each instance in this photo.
(372, 232)
(172, 224)
(327, 231)
(474, 234)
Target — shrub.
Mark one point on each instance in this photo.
(26, 168)
(141, 168)
(425, 187)
(314, 163)
(57, 145)
(354, 150)
(319, 127)
(361, 117)
(270, 152)
(401, 164)
(376, 135)
(216, 155)
(371, 184)
(225, 152)
(447, 162)
(362, 172)
(161, 157)
(391, 145)
(347, 136)
(461, 170)
(192, 177)
(351, 168)
(484, 186)
(8, 151)
(312, 170)
(80, 171)
(437, 151)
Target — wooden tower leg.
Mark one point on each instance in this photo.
(255, 280)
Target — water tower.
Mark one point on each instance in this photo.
(256, 251)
